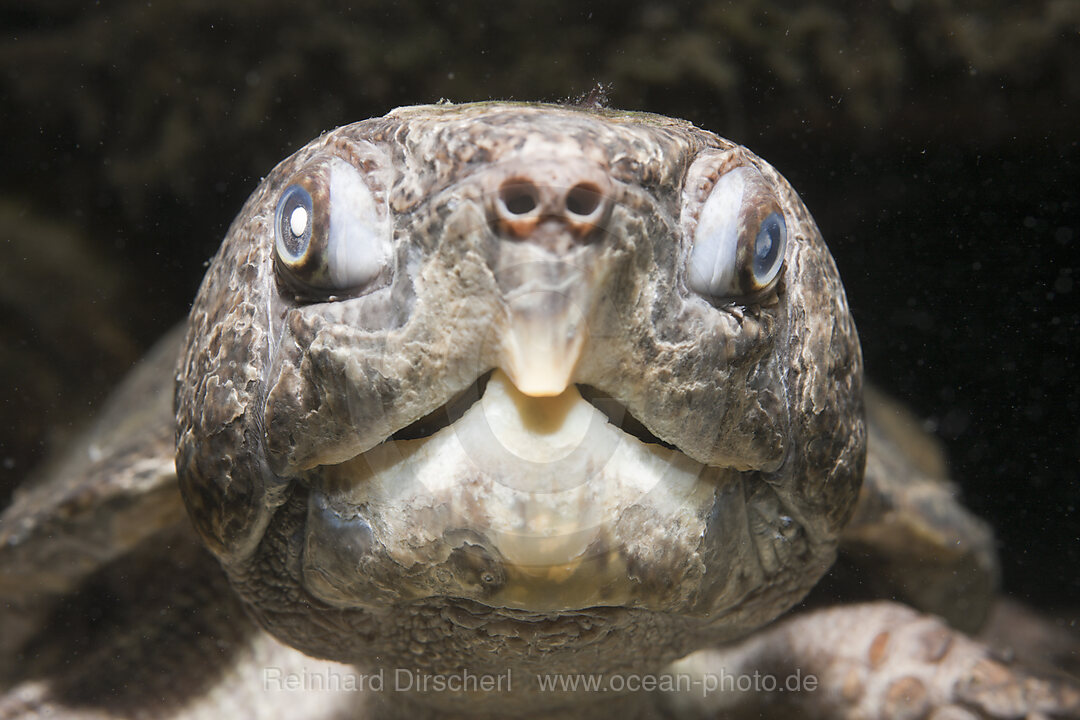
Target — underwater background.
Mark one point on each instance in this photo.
(935, 141)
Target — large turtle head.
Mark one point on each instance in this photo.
(546, 382)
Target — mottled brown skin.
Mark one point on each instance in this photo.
(271, 389)
(284, 395)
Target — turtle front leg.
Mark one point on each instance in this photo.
(868, 661)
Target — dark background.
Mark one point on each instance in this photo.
(935, 142)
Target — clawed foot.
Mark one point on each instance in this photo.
(877, 660)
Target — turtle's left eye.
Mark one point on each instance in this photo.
(331, 234)
(739, 238)
(769, 248)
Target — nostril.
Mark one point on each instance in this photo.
(583, 199)
(518, 197)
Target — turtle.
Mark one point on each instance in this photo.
(508, 410)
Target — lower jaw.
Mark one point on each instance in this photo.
(533, 504)
(608, 542)
(648, 529)
(448, 635)
(600, 553)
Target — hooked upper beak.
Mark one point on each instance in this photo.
(544, 341)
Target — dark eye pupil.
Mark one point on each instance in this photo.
(767, 244)
(294, 221)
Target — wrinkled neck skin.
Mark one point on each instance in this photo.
(519, 687)
(527, 447)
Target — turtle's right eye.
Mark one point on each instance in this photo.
(294, 220)
(331, 234)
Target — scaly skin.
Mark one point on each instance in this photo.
(415, 470)
(761, 398)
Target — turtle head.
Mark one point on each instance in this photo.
(515, 379)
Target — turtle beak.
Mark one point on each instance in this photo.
(548, 304)
(545, 338)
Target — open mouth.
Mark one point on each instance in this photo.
(451, 411)
(446, 414)
(619, 416)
